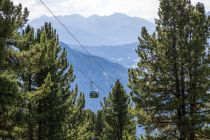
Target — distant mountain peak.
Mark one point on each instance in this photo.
(96, 30)
(93, 16)
(74, 15)
(112, 15)
(120, 15)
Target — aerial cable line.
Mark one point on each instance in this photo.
(74, 37)
(89, 78)
(72, 54)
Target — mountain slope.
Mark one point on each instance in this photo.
(90, 68)
(116, 29)
(122, 54)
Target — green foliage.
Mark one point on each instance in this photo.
(37, 100)
(170, 84)
(11, 19)
(171, 81)
(99, 126)
(44, 63)
(118, 121)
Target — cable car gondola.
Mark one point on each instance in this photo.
(93, 93)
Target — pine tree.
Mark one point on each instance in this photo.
(170, 83)
(44, 62)
(36, 97)
(12, 18)
(63, 102)
(51, 115)
(119, 123)
(29, 61)
(99, 125)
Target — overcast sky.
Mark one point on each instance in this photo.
(140, 8)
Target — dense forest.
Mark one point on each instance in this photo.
(169, 88)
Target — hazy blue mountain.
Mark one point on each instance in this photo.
(90, 68)
(122, 54)
(116, 29)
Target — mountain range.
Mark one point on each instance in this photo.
(121, 54)
(116, 29)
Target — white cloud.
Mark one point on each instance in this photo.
(141, 8)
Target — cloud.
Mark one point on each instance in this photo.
(140, 8)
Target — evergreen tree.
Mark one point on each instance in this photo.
(99, 125)
(12, 18)
(171, 81)
(63, 102)
(84, 128)
(44, 62)
(36, 97)
(31, 59)
(119, 123)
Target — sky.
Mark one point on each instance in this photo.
(140, 8)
